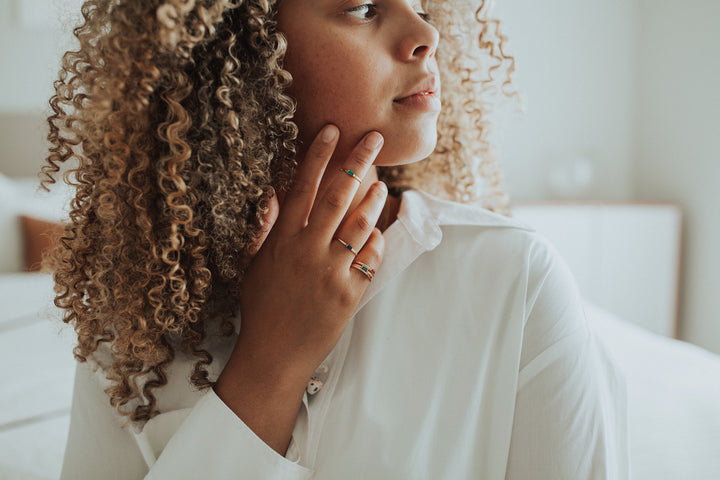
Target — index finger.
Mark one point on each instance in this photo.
(300, 198)
(332, 207)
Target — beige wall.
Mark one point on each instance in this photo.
(678, 154)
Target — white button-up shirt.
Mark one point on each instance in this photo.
(469, 357)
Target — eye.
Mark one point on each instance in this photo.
(365, 11)
(421, 12)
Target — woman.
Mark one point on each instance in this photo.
(331, 330)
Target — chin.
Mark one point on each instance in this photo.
(407, 148)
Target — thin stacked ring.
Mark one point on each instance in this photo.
(352, 174)
(346, 245)
(366, 270)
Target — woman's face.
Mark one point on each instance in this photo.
(364, 67)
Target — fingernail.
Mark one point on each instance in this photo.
(328, 134)
(373, 140)
(382, 187)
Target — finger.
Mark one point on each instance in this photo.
(368, 261)
(300, 198)
(266, 224)
(358, 226)
(332, 207)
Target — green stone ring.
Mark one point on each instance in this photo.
(352, 174)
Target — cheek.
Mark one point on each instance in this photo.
(329, 88)
(338, 83)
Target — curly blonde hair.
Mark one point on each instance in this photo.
(174, 117)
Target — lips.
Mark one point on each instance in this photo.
(424, 95)
(428, 85)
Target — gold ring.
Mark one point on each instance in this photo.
(346, 245)
(352, 174)
(367, 271)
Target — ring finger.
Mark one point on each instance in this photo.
(358, 226)
(370, 257)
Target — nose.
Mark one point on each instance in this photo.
(419, 39)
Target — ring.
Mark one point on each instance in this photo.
(352, 174)
(346, 245)
(367, 271)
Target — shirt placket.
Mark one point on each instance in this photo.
(317, 405)
(404, 245)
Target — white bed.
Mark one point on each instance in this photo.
(673, 401)
(673, 387)
(626, 259)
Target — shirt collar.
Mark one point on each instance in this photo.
(423, 214)
(418, 230)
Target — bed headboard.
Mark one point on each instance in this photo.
(625, 256)
(24, 147)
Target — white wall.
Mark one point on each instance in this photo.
(678, 152)
(576, 71)
(633, 86)
(32, 35)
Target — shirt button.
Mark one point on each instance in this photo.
(318, 379)
(314, 386)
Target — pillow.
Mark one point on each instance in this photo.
(20, 196)
(38, 237)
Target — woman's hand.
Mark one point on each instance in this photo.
(299, 291)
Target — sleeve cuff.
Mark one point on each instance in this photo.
(215, 443)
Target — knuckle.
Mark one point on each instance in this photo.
(375, 247)
(372, 253)
(334, 200)
(364, 159)
(303, 187)
(363, 222)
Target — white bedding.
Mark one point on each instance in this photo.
(673, 401)
(673, 390)
(36, 379)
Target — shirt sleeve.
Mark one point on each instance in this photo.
(570, 413)
(212, 442)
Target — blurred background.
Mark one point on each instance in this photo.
(621, 107)
(621, 104)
